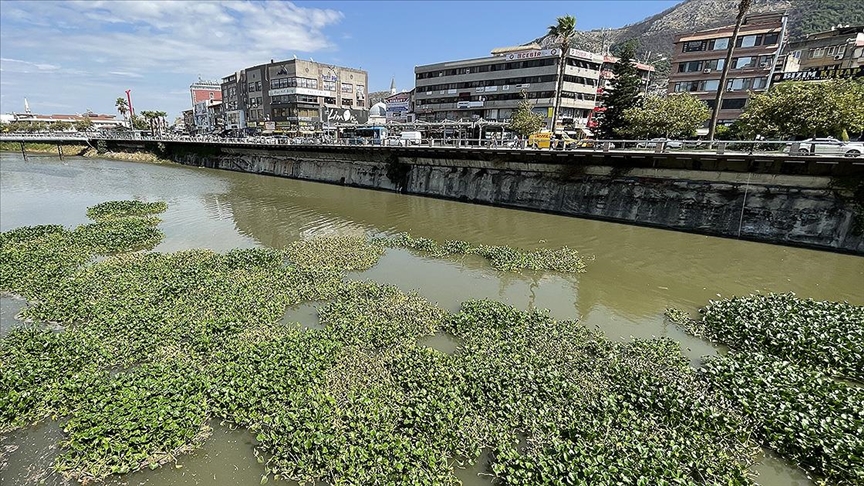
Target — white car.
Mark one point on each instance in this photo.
(667, 143)
(830, 146)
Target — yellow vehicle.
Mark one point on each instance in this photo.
(545, 139)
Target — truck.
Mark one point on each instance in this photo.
(410, 138)
(546, 139)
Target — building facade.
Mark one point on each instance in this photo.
(205, 91)
(294, 96)
(206, 117)
(398, 107)
(491, 88)
(698, 59)
(835, 53)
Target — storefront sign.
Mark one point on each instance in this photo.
(819, 75)
(300, 91)
(517, 56)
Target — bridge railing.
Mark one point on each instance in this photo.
(766, 147)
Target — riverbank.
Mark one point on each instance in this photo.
(44, 148)
(82, 151)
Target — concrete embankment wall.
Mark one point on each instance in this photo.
(793, 209)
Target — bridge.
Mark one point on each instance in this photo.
(729, 156)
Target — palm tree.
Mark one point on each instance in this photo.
(743, 7)
(564, 31)
(122, 106)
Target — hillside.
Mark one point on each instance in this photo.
(656, 33)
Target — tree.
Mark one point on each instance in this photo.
(743, 7)
(84, 124)
(806, 109)
(59, 126)
(673, 116)
(564, 31)
(122, 106)
(524, 121)
(624, 93)
(139, 122)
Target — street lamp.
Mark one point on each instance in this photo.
(335, 81)
(648, 62)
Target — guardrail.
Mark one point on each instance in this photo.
(737, 147)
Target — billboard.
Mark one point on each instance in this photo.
(819, 74)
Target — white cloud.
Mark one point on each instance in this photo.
(126, 74)
(17, 65)
(151, 42)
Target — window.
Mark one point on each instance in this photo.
(743, 84)
(686, 86)
(690, 67)
(694, 46)
(329, 101)
(328, 85)
(715, 64)
(718, 44)
(347, 102)
(748, 41)
(734, 103)
(744, 62)
(710, 85)
(347, 88)
(770, 39)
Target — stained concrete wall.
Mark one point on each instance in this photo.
(796, 210)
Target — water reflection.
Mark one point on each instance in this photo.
(10, 306)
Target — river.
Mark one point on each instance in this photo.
(636, 272)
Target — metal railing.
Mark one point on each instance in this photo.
(726, 147)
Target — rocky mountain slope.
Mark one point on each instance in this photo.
(656, 33)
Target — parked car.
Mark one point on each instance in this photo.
(828, 146)
(672, 144)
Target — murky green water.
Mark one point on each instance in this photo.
(638, 272)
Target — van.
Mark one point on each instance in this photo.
(410, 138)
(545, 139)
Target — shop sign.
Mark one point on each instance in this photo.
(820, 74)
(517, 56)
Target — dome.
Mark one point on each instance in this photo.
(378, 109)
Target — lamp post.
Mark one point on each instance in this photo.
(648, 62)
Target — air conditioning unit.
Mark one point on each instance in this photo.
(706, 71)
(838, 57)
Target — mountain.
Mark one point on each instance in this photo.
(656, 33)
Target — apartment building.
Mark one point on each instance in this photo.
(492, 87)
(698, 59)
(835, 53)
(294, 96)
(202, 90)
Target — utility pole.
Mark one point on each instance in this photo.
(743, 7)
(131, 110)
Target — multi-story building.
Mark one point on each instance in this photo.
(835, 53)
(205, 91)
(294, 95)
(698, 59)
(492, 87)
(233, 101)
(206, 115)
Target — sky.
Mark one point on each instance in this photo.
(74, 56)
